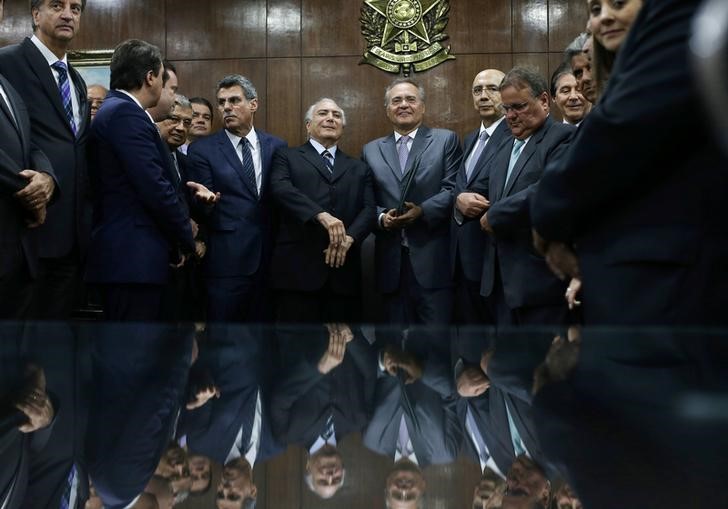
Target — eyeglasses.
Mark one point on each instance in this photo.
(176, 120)
(480, 90)
(517, 108)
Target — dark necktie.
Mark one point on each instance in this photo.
(66, 497)
(479, 146)
(329, 160)
(65, 88)
(248, 168)
(329, 429)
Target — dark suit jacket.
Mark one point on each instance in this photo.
(467, 240)
(303, 187)
(303, 398)
(436, 154)
(68, 221)
(527, 281)
(239, 225)
(240, 367)
(637, 153)
(437, 437)
(138, 218)
(17, 152)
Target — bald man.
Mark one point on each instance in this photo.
(467, 241)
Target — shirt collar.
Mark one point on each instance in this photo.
(491, 129)
(252, 138)
(320, 148)
(137, 103)
(412, 134)
(47, 54)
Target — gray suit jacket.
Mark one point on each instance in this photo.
(435, 156)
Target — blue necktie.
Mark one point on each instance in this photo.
(248, 168)
(515, 154)
(329, 160)
(479, 146)
(65, 88)
(329, 429)
(66, 498)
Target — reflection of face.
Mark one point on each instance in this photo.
(326, 468)
(201, 120)
(526, 113)
(526, 484)
(236, 111)
(405, 485)
(571, 103)
(405, 107)
(236, 485)
(174, 130)
(486, 95)
(581, 66)
(566, 499)
(57, 21)
(610, 20)
(485, 489)
(95, 95)
(173, 464)
(327, 123)
(200, 472)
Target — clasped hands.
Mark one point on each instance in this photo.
(395, 359)
(473, 381)
(339, 241)
(36, 194)
(393, 220)
(339, 335)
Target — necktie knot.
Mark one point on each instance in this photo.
(328, 159)
(60, 66)
(248, 166)
(64, 88)
(483, 136)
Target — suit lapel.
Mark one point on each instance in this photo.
(499, 171)
(266, 154)
(419, 145)
(526, 154)
(341, 164)
(226, 147)
(490, 150)
(309, 153)
(388, 150)
(81, 93)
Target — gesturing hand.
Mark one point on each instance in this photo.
(34, 402)
(204, 194)
(339, 336)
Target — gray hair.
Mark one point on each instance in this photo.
(308, 478)
(522, 77)
(232, 80)
(399, 81)
(308, 116)
(575, 47)
(182, 101)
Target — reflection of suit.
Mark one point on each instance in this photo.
(303, 187)
(140, 375)
(138, 219)
(239, 225)
(614, 193)
(304, 398)
(433, 426)
(18, 252)
(467, 240)
(525, 280)
(239, 368)
(66, 229)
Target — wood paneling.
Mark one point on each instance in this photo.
(284, 28)
(484, 27)
(285, 111)
(566, 19)
(106, 24)
(530, 26)
(331, 27)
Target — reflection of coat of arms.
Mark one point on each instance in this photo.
(405, 34)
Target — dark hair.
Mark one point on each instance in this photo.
(522, 77)
(204, 102)
(35, 4)
(233, 80)
(130, 63)
(560, 71)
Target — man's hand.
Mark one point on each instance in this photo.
(484, 224)
(34, 402)
(472, 204)
(395, 359)
(388, 220)
(195, 228)
(334, 226)
(472, 382)
(336, 255)
(334, 354)
(204, 194)
(203, 395)
(200, 249)
(572, 292)
(38, 191)
(180, 262)
(38, 217)
(484, 360)
(562, 260)
(412, 213)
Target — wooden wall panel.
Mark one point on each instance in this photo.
(106, 24)
(284, 28)
(530, 25)
(331, 27)
(219, 29)
(484, 27)
(285, 111)
(566, 19)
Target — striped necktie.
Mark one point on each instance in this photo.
(65, 88)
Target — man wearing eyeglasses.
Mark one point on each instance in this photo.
(522, 289)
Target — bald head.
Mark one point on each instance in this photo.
(486, 95)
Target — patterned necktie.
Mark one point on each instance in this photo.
(65, 88)
(515, 154)
(248, 168)
(329, 160)
(70, 481)
(403, 152)
(479, 146)
(329, 429)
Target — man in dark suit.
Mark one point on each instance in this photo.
(55, 95)
(23, 198)
(522, 288)
(324, 393)
(634, 155)
(467, 240)
(412, 244)
(138, 219)
(325, 201)
(236, 162)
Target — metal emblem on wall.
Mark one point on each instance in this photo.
(405, 35)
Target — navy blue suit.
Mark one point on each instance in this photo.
(139, 222)
(643, 191)
(239, 227)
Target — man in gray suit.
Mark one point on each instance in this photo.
(414, 170)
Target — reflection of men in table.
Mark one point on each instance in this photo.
(236, 489)
(405, 486)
